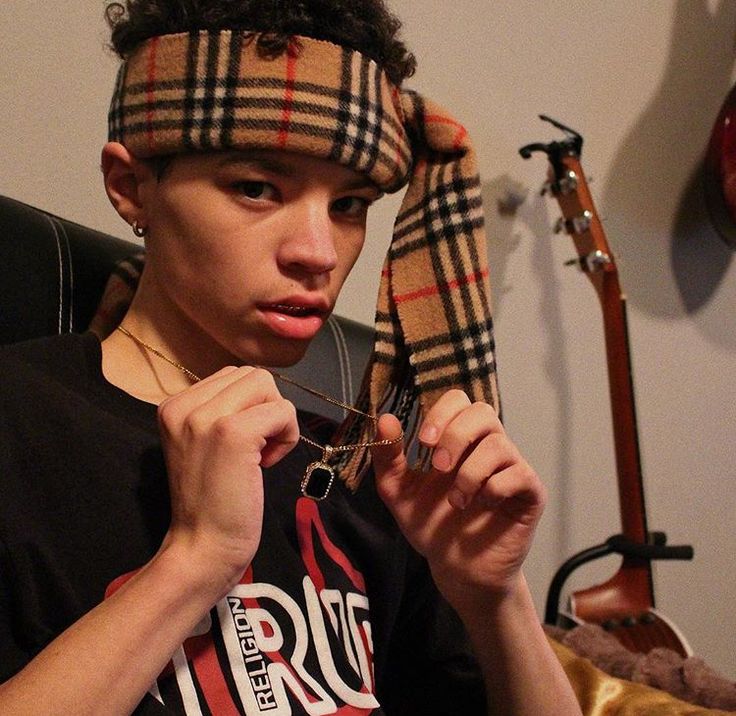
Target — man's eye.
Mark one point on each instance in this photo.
(351, 205)
(256, 190)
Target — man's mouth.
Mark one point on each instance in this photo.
(299, 320)
(296, 311)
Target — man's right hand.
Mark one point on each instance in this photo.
(217, 435)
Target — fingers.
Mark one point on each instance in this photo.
(389, 461)
(468, 440)
(235, 405)
(267, 429)
(223, 394)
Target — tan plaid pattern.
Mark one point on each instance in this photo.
(205, 91)
(201, 92)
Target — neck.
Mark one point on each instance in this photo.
(141, 373)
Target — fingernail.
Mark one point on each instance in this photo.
(457, 499)
(441, 460)
(428, 434)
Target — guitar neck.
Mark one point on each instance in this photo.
(627, 598)
(597, 261)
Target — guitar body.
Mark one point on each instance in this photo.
(624, 604)
(618, 606)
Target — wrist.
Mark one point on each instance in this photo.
(486, 606)
(203, 566)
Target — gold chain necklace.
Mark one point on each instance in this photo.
(319, 475)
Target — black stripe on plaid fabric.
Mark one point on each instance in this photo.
(342, 115)
(235, 103)
(469, 198)
(445, 236)
(387, 337)
(467, 357)
(368, 117)
(116, 115)
(415, 239)
(460, 184)
(482, 330)
(448, 379)
(235, 53)
(205, 118)
(191, 85)
(250, 83)
(359, 135)
(309, 130)
(416, 129)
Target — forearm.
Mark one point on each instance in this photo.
(107, 661)
(520, 670)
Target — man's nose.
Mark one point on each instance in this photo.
(310, 241)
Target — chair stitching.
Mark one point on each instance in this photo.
(343, 357)
(57, 227)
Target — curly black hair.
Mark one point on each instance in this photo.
(366, 26)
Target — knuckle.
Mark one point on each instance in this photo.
(291, 410)
(168, 415)
(226, 431)
(196, 425)
(466, 479)
(262, 377)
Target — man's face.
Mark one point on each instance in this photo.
(252, 249)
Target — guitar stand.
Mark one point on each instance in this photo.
(655, 548)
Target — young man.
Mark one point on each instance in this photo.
(157, 553)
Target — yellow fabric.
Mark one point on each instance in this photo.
(602, 695)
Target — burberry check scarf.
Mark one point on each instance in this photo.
(209, 91)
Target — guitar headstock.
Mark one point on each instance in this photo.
(580, 219)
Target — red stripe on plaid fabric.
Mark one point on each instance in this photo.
(150, 98)
(461, 131)
(442, 287)
(291, 56)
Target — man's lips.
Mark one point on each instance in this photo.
(295, 318)
(298, 307)
(292, 310)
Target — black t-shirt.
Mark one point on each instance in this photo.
(335, 615)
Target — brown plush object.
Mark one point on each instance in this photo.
(690, 679)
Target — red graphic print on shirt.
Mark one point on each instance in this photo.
(262, 650)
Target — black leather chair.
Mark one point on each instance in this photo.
(54, 272)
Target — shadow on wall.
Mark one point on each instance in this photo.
(511, 214)
(502, 196)
(658, 156)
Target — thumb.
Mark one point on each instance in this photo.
(389, 461)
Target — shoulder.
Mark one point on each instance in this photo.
(48, 350)
(47, 360)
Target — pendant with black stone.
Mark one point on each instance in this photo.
(318, 477)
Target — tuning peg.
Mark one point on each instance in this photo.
(574, 225)
(595, 261)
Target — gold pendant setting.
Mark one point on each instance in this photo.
(317, 480)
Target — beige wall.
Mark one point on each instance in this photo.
(643, 82)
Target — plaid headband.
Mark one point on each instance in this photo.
(210, 91)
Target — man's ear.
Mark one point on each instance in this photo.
(123, 175)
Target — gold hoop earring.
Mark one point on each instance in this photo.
(138, 230)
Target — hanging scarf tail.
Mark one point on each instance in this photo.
(434, 330)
